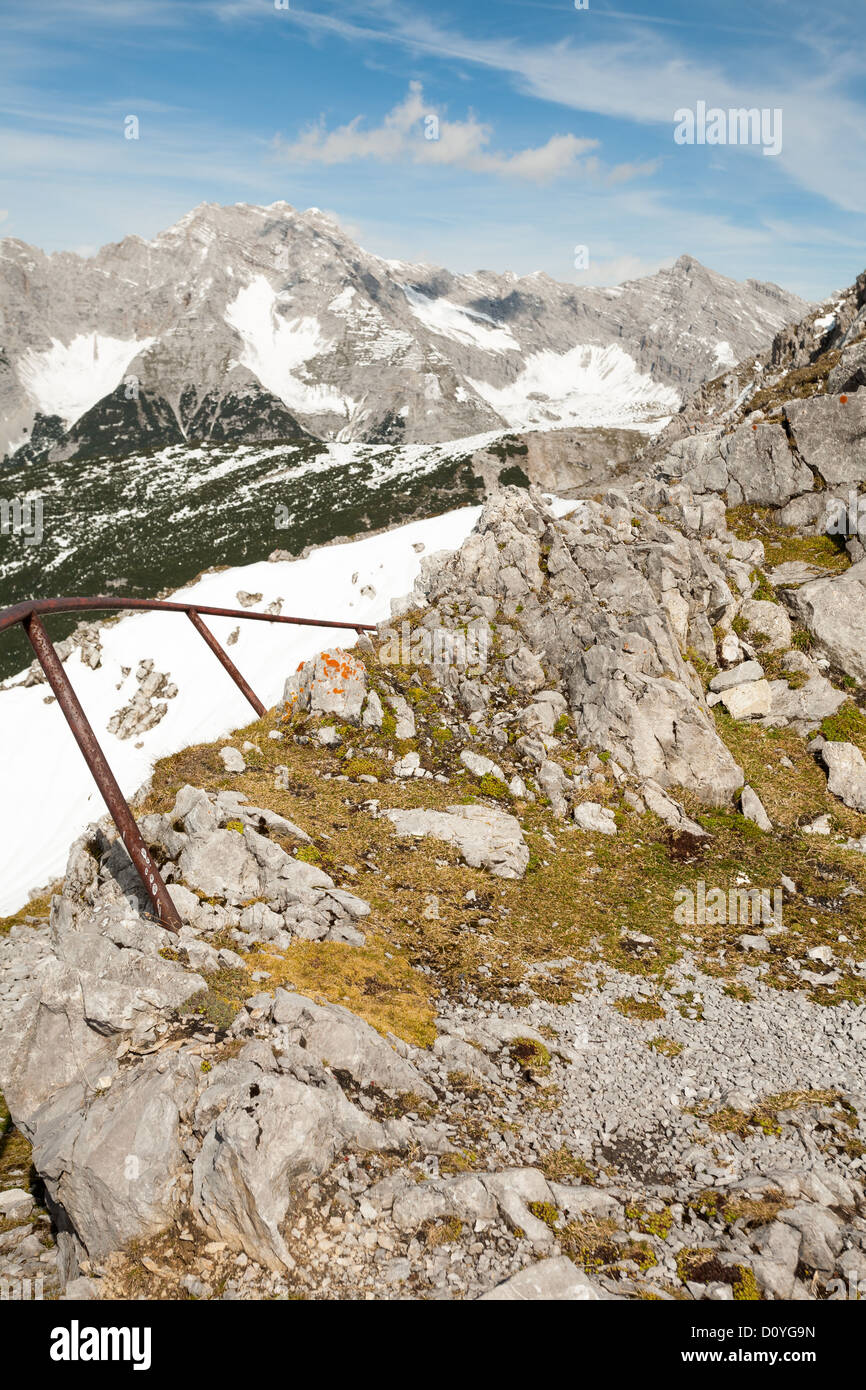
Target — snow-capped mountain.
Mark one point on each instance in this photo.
(265, 323)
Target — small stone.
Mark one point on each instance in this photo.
(589, 815)
(15, 1204)
(407, 766)
(753, 809)
(232, 760)
(744, 674)
(754, 943)
(819, 826)
(480, 766)
(748, 701)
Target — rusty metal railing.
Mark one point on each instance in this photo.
(28, 616)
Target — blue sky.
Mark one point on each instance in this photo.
(555, 127)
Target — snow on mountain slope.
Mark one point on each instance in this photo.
(586, 386)
(275, 348)
(447, 320)
(248, 323)
(67, 379)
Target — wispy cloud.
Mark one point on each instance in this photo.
(418, 132)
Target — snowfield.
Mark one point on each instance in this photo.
(276, 348)
(68, 379)
(588, 386)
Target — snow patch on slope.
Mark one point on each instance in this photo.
(585, 386)
(461, 325)
(276, 347)
(67, 379)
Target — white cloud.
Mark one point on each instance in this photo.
(416, 131)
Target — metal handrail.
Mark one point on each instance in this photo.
(28, 616)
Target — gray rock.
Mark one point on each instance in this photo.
(803, 707)
(486, 838)
(743, 674)
(405, 726)
(751, 701)
(15, 1204)
(770, 620)
(333, 1034)
(115, 1168)
(265, 1136)
(333, 682)
(834, 611)
(830, 435)
(669, 811)
(821, 1234)
(553, 783)
(589, 815)
(761, 467)
(753, 809)
(408, 765)
(849, 374)
(846, 769)
(464, 1198)
(480, 766)
(524, 671)
(221, 865)
(232, 760)
(373, 712)
(557, 1279)
(80, 1290)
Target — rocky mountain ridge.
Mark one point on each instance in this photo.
(823, 353)
(249, 324)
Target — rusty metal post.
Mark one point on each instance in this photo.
(227, 662)
(102, 774)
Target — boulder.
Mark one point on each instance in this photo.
(750, 701)
(606, 607)
(232, 759)
(742, 674)
(524, 671)
(589, 815)
(333, 682)
(770, 620)
(753, 809)
(267, 1133)
(830, 436)
(849, 374)
(480, 766)
(761, 467)
(834, 611)
(803, 707)
(373, 712)
(486, 838)
(333, 1034)
(846, 769)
